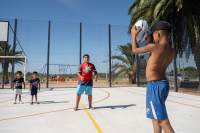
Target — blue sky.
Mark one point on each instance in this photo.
(33, 17)
(95, 16)
(86, 11)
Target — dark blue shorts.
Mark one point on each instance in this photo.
(34, 91)
(156, 96)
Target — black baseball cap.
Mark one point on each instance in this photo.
(161, 25)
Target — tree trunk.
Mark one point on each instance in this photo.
(113, 78)
(132, 77)
(6, 72)
(179, 63)
(197, 60)
(183, 66)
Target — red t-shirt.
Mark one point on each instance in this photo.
(86, 71)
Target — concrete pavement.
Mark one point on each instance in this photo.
(117, 110)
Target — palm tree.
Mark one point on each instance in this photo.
(184, 14)
(127, 65)
(9, 52)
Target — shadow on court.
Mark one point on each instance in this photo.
(51, 102)
(113, 107)
(116, 106)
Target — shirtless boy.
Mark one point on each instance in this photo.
(158, 87)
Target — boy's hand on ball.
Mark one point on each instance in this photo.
(134, 32)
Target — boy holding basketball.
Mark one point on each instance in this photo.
(34, 83)
(17, 83)
(85, 83)
(161, 55)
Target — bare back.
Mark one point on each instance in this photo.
(159, 60)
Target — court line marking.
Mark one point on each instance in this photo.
(170, 95)
(92, 119)
(38, 105)
(167, 100)
(23, 96)
(184, 98)
(55, 110)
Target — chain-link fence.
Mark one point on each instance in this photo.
(68, 42)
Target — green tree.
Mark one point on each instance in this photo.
(191, 72)
(28, 74)
(185, 15)
(9, 52)
(126, 65)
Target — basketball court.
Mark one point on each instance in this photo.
(117, 110)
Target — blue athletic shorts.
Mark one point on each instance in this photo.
(34, 91)
(84, 86)
(156, 96)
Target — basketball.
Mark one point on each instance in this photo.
(143, 32)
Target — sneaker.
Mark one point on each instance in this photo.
(31, 103)
(37, 102)
(14, 102)
(21, 102)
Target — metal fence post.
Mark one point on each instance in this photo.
(110, 57)
(13, 60)
(48, 54)
(80, 58)
(4, 64)
(138, 84)
(4, 60)
(174, 60)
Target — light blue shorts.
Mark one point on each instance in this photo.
(156, 96)
(81, 88)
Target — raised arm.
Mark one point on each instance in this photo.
(142, 50)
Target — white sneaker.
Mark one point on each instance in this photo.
(14, 102)
(21, 102)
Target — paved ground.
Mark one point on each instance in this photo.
(118, 110)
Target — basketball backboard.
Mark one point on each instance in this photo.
(4, 31)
